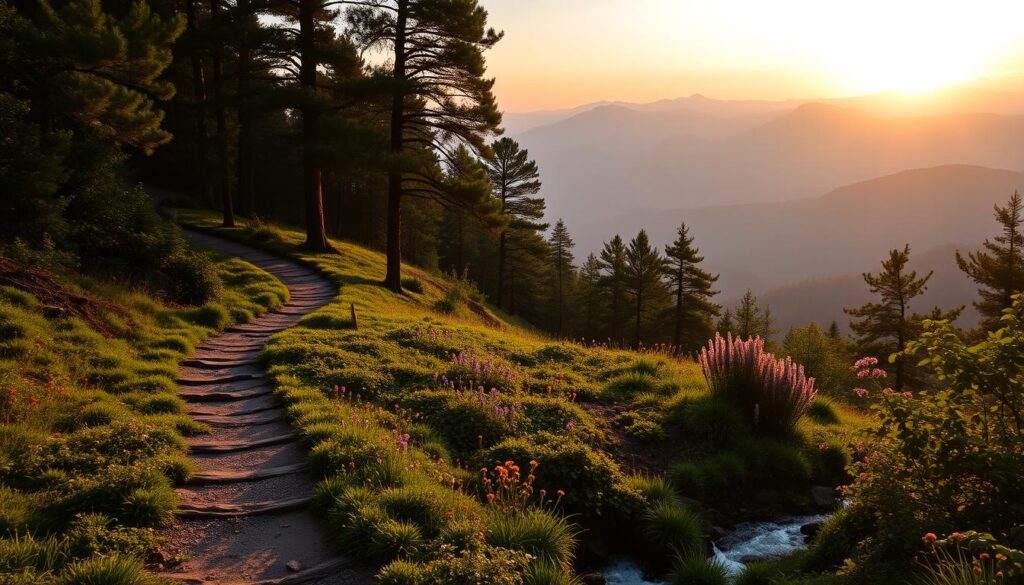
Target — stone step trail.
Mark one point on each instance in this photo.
(243, 518)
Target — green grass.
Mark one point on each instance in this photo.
(91, 427)
(377, 407)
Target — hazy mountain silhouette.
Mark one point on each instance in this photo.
(767, 245)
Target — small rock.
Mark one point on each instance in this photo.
(294, 566)
(823, 496)
(811, 530)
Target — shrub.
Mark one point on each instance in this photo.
(262, 231)
(194, 279)
(822, 411)
(646, 430)
(401, 572)
(211, 315)
(656, 490)
(109, 570)
(755, 574)
(477, 565)
(593, 484)
(412, 284)
(539, 533)
(543, 573)
(772, 393)
(394, 539)
(43, 555)
(629, 384)
(694, 568)
(712, 422)
(670, 528)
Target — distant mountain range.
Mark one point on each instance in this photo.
(748, 177)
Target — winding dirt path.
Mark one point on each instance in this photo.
(242, 518)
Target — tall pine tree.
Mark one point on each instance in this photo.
(644, 267)
(999, 267)
(884, 327)
(440, 100)
(691, 286)
(515, 180)
(613, 280)
(562, 260)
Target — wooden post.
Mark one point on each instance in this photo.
(355, 324)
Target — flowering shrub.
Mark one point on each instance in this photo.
(947, 459)
(772, 393)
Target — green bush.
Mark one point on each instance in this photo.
(477, 565)
(107, 570)
(713, 423)
(393, 539)
(194, 279)
(593, 483)
(542, 573)
(260, 230)
(669, 528)
(43, 555)
(629, 384)
(694, 568)
(646, 431)
(401, 572)
(412, 284)
(211, 315)
(543, 535)
(822, 411)
(655, 490)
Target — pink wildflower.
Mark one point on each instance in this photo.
(860, 392)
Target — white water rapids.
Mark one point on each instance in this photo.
(747, 542)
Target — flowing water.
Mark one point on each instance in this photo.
(747, 542)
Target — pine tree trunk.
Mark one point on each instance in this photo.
(244, 166)
(199, 95)
(312, 183)
(677, 339)
(501, 269)
(393, 276)
(222, 120)
(639, 311)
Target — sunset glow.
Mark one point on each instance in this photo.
(560, 54)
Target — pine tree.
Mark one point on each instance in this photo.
(750, 320)
(644, 267)
(613, 280)
(561, 251)
(833, 330)
(726, 324)
(589, 297)
(999, 267)
(691, 286)
(440, 99)
(885, 327)
(515, 179)
(95, 71)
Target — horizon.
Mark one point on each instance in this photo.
(739, 49)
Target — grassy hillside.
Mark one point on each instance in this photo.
(90, 424)
(448, 434)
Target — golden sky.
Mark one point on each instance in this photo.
(562, 53)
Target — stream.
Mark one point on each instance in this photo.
(746, 542)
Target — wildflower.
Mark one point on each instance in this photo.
(569, 426)
(863, 477)
(908, 394)
(930, 537)
(822, 446)
(878, 373)
(561, 493)
(983, 556)
(860, 392)
(490, 497)
(533, 463)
